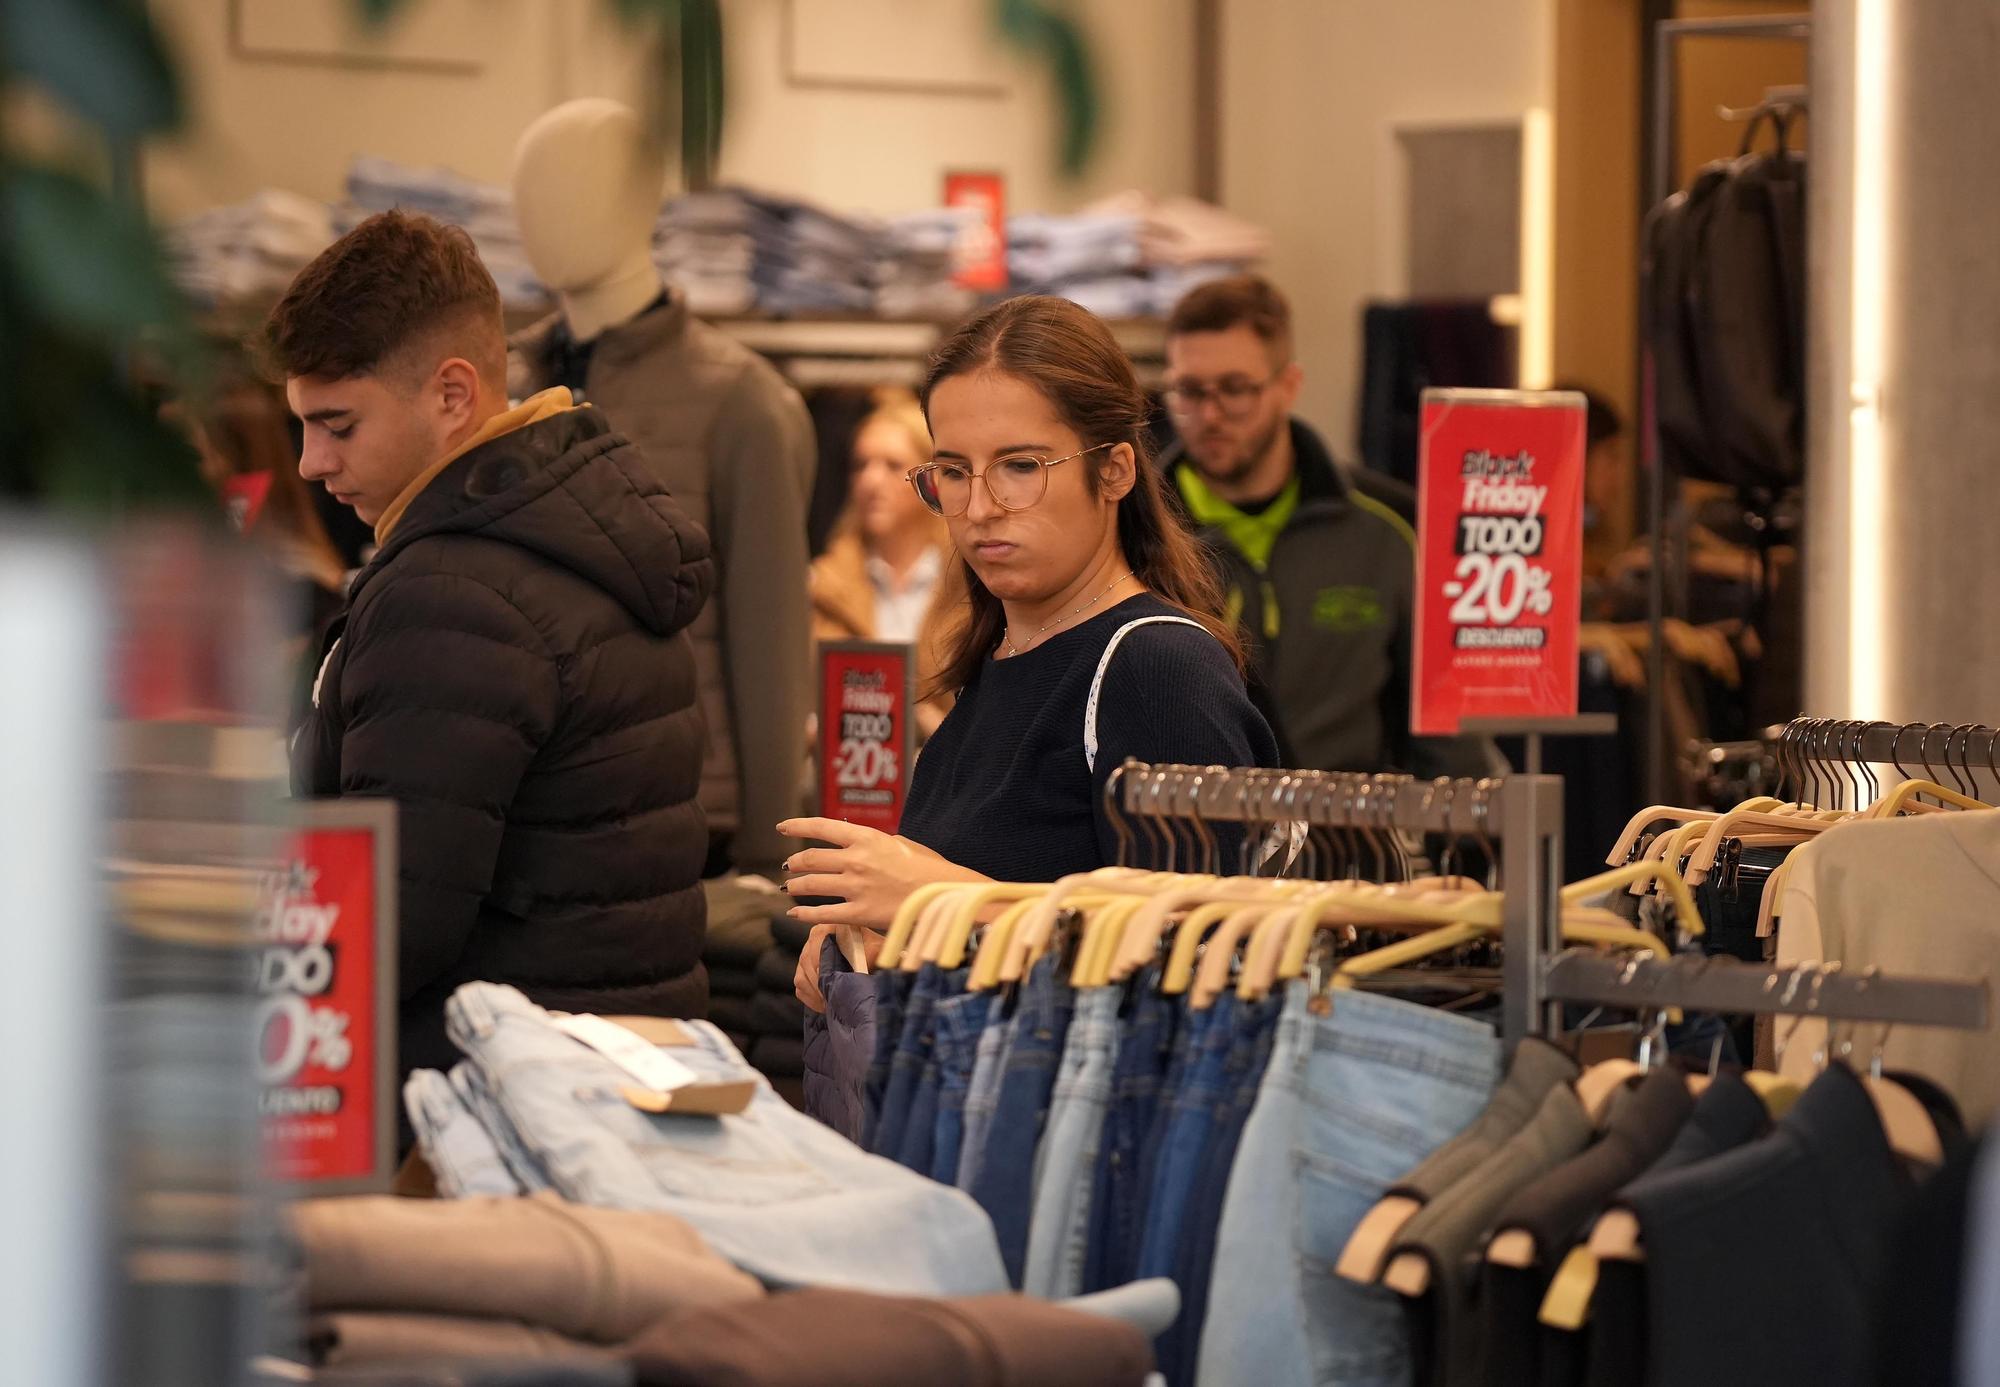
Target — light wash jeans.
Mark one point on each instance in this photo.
(982, 1092)
(462, 1154)
(777, 1193)
(1066, 1161)
(1350, 1103)
(472, 1091)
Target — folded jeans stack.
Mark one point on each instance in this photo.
(747, 1182)
(249, 250)
(484, 210)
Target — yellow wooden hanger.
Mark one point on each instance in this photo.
(1899, 800)
(924, 938)
(1213, 979)
(993, 947)
(965, 904)
(1031, 937)
(907, 915)
(1103, 931)
(1141, 942)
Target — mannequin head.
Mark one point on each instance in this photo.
(587, 183)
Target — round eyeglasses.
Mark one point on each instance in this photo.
(1014, 483)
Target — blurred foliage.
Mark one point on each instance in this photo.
(84, 290)
(1043, 32)
(88, 309)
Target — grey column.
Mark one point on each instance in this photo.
(1902, 554)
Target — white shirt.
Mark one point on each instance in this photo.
(899, 614)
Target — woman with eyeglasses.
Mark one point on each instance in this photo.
(1091, 630)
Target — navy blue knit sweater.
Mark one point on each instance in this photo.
(1003, 787)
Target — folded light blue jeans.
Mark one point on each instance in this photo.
(463, 1156)
(1349, 1104)
(1066, 1161)
(782, 1196)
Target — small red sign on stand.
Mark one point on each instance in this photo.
(982, 255)
(866, 740)
(326, 982)
(1499, 557)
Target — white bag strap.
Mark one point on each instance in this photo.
(1104, 663)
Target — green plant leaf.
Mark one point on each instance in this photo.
(1040, 31)
(118, 455)
(101, 58)
(83, 260)
(379, 11)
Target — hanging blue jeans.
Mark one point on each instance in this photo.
(1005, 1184)
(1117, 1202)
(1350, 1103)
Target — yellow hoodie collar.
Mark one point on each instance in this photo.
(546, 405)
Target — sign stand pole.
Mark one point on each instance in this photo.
(1534, 729)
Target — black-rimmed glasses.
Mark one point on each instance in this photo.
(1234, 396)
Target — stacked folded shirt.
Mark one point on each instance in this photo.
(739, 935)
(249, 250)
(544, 1291)
(777, 1016)
(485, 210)
(731, 250)
(918, 255)
(1129, 256)
(751, 957)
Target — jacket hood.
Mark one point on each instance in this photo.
(576, 494)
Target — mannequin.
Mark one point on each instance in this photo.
(729, 437)
(587, 183)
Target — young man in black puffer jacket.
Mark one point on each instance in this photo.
(512, 667)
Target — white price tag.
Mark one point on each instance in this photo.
(643, 1061)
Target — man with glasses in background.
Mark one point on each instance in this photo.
(1319, 559)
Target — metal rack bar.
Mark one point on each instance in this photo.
(1324, 799)
(1724, 985)
(1521, 815)
(1967, 746)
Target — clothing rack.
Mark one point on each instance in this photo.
(1667, 37)
(1526, 811)
(1808, 751)
(1724, 985)
(1965, 748)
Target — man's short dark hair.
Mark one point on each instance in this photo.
(397, 282)
(1245, 300)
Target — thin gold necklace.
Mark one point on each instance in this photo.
(1013, 650)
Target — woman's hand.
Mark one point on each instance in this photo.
(870, 871)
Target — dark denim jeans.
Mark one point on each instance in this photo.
(1117, 1203)
(961, 1022)
(1256, 1027)
(891, 987)
(906, 1066)
(1190, 1117)
(920, 1126)
(1005, 1183)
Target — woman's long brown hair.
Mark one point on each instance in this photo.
(1067, 353)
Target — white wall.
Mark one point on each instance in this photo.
(259, 123)
(1314, 91)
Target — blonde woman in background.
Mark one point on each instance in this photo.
(886, 563)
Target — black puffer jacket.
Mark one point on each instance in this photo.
(512, 671)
